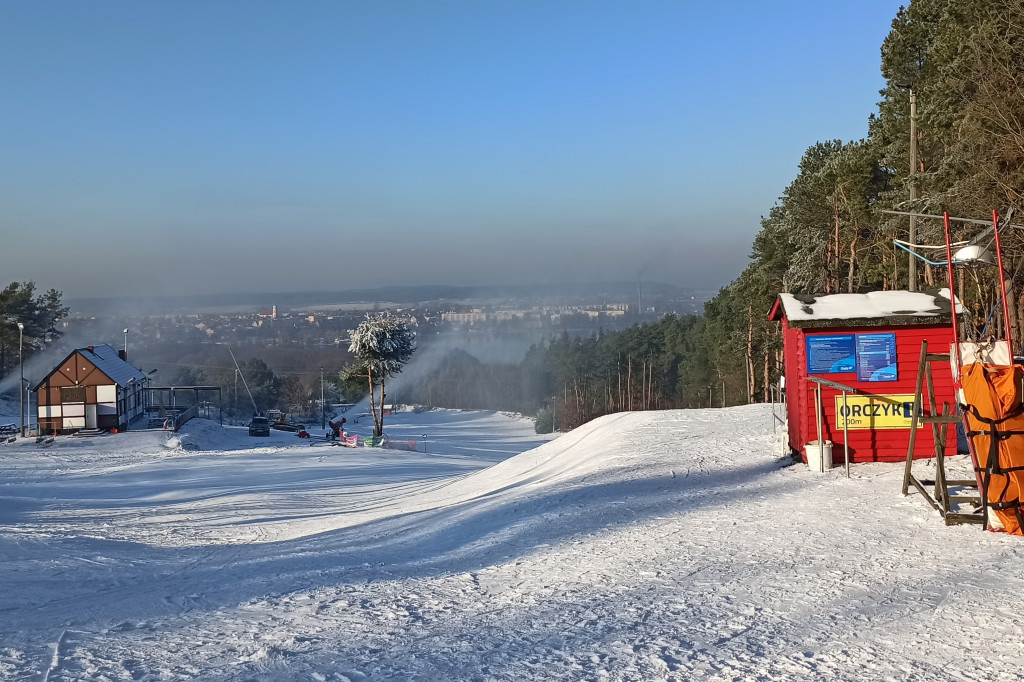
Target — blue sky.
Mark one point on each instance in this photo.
(194, 147)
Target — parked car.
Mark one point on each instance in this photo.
(259, 426)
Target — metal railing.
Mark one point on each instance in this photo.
(184, 416)
(819, 411)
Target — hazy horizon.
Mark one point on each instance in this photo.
(237, 147)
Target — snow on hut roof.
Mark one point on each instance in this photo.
(900, 307)
(110, 363)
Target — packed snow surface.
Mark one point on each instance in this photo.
(673, 545)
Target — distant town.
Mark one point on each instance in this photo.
(172, 334)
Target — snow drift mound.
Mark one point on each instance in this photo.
(626, 446)
(202, 434)
(615, 469)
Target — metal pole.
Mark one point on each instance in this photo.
(912, 271)
(126, 344)
(958, 379)
(846, 434)
(323, 405)
(21, 386)
(821, 443)
(952, 295)
(1002, 286)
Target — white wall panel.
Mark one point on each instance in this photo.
(106, 394)
(49, 411)
(74, 409)
(74, 422)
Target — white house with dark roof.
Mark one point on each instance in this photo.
(92, 388)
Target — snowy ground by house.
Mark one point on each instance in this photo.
(643, 546)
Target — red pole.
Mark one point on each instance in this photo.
(958, 380)
(1002, 286)
(952, 295)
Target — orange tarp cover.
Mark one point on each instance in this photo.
(994, 391)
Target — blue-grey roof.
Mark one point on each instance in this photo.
(110, 363)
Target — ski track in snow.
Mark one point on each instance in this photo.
(670, 545)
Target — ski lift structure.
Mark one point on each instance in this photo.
(988, 389)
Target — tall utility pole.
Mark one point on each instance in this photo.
(21, 385)
(911, 181)
(912, 270)
(323, 405)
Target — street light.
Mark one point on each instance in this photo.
(28, 405)
(145, 386)
(126, 344)
(912, 270)
(21, 386)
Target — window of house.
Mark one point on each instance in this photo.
(72, 394)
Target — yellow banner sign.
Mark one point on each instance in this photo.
(875, 412)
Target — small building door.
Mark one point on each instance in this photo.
(90, 416)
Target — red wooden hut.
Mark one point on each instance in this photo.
(872, 343)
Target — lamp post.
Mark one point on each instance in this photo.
(554, 422)
(323, 405)
(146, 395)
(126, 344)
(28, 406)
(21, 386)
(912, 269)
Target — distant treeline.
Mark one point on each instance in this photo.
(643, 367)
(963, 60)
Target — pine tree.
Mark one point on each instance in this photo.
(383, 344)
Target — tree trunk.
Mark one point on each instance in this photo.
(648, 401)
(853, 261)
(750, 354)
(618, 372)
(373, 400)
(378, 429)
(767, 376)
(1011, 304)
(629, 382)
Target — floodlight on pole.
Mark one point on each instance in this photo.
(126, 344)
(21, 361)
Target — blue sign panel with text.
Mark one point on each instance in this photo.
(876, 357)
(830, 354)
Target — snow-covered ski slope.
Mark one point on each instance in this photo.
(642, 546)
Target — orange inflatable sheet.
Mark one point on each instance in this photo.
(996, 420)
